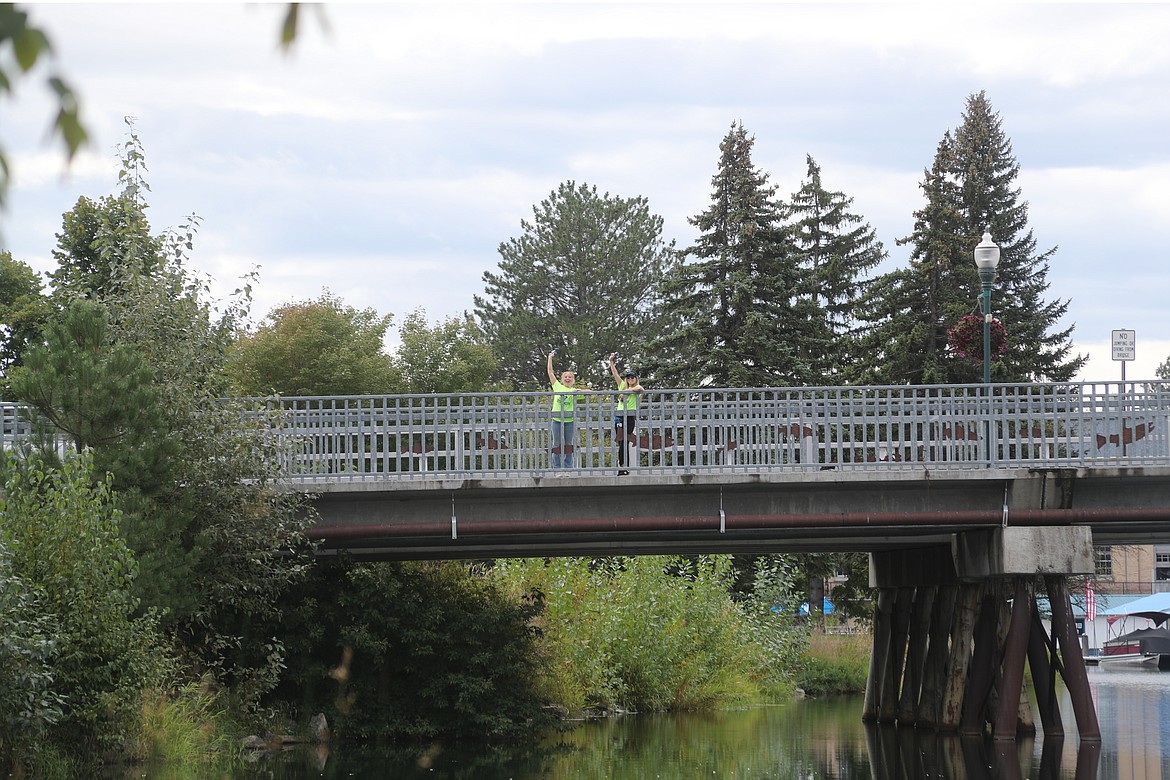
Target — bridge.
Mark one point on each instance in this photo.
(970, 499)
(967, 497)
(730, 470)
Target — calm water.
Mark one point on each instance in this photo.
(812, 740)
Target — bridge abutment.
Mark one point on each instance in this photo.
(955, 625)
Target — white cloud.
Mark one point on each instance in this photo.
(388, 158)
(1101, 367)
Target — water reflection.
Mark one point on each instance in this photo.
(811, 740)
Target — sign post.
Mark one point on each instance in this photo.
(1124, 349)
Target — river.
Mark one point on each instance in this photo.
(808, 739)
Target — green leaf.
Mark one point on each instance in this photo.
(288, 31)
(28, 46)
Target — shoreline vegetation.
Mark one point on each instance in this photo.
(508, 652)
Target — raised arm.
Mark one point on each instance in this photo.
(552, 378)
(613, 367)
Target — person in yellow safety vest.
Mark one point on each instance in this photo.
(626, 416)
(563, 410)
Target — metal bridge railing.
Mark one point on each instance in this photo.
(502, 435)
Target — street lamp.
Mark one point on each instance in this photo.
(986, 260)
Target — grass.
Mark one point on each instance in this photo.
(835, 664)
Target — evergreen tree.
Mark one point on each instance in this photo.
(583, 279)
(986, 172)
(969, 189)
(101, 394)
(837, 249)
(740, 313)
(909, 309)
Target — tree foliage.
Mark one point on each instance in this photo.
(837, 249)
(453, 356)
(23, 310)
(970, 188)
(910, 308)
(61, 528)
(29, 705)
(583, 278)
(739, 314)
(413, 651)
(101, 395)
(22, 46)
(317, 347)
(213, 538)
(986, 170)
(652, 632)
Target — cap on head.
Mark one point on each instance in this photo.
(630, 373)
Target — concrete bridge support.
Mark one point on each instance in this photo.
(954, 627)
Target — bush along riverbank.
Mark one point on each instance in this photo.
(508, 651)
(651, 634)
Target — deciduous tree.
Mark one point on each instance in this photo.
(23, 310)
(214, 542)
(61, 527)
(451, 357)
(316, 347)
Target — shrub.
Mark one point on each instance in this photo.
(62, 534)
(650, 633)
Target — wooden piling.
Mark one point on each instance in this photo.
(1075, 677)
(934, 675)
(962, 641)
(1015, 653)
(883, 615)
(920, 615)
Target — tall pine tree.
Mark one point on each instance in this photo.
(986, 170)
(582, 278)
(909, 308)
(969, 189)
(739, 309)
(837, 249)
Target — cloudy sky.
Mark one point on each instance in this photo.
(388, 156)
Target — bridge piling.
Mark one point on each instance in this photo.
(1007, 716)
(920, 614)
(1040, 654)
(950, 656)
(1073, 664)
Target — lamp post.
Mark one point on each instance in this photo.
(986, 260)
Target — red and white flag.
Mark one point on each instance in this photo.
(1090, 602)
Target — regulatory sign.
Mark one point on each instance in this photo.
(1124, 344)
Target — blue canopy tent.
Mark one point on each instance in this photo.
(1155, 608)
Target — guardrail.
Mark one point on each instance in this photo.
(502, 435)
